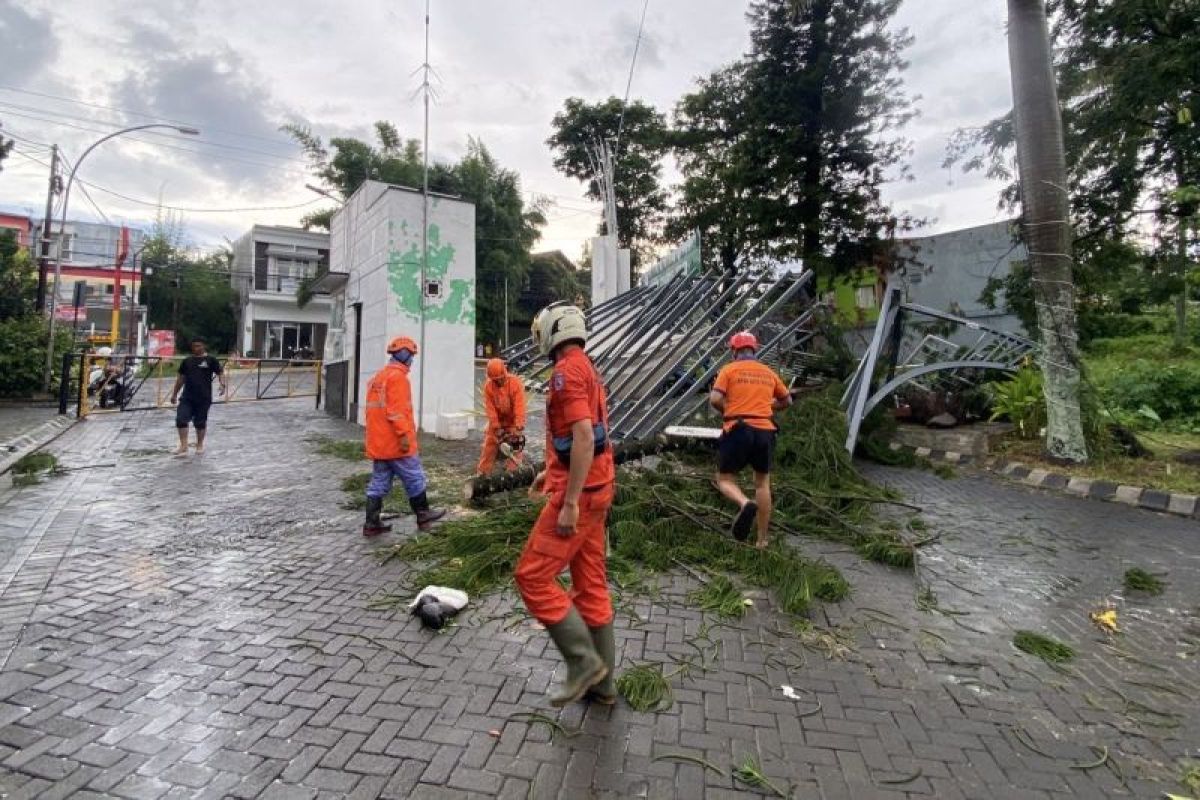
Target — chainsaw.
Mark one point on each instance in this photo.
(511, 447)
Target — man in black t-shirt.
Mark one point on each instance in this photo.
(195, 379)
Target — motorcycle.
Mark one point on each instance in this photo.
(109, 383)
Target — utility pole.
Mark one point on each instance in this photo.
(44, 258)
(424, 226)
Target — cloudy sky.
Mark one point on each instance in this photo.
(72, 70)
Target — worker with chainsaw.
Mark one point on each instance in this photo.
(747, 393)
(579, 479)
(391, 441)
(504, 402)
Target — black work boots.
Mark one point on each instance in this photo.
(374, 524)
(426, 516)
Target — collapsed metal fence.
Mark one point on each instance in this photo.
(905, 349)
(659, 348)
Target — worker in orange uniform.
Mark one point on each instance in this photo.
(579, 479)
(504, 402)
(391, 441)
(747, 393)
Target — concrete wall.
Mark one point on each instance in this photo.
(951, 269)
(376, 239)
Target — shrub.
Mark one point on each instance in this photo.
(23, 355)
(1171, 390)
(1021, 400)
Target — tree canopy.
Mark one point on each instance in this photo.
(189, 294)
(785, 151)
(638, 136)
(506, 227)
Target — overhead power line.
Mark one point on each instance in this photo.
(139, 114)
(186, 209)
(62, 123)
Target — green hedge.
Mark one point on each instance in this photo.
(23, 355)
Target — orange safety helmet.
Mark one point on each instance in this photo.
(495, 368)
(402, 343)
(743, 339)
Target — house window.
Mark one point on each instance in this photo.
(864, 297)
(108, 288)
(65, 243)
(293, 340)
(289, 272)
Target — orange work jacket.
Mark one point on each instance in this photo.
(505, 404)
(390, 414)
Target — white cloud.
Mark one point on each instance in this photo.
(237, 70)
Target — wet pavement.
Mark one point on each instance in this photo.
(16, 420)
(204, 627)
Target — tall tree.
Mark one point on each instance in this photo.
(1129, 76)
(505, 226)
(1130, 72)
(1041, 159)
(189, 294)
(638, 154)
(711, 139)
(785, 152)
(6, 146)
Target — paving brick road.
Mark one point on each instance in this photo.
(203, 627)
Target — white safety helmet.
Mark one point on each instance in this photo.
(558, 323)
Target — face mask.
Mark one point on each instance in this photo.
(405, 356)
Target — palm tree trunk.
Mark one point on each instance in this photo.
(1047, 230)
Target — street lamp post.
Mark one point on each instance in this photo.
(62, 226)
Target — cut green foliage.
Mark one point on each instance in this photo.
(34, 463)
(1049, 650)
(944, 471)
(476, 554)
(1138, 580)
(1189, 776)
(345, 449)
(751, 774)
(646, 688)
(721, 596)
(355, 488)
(31, 468)
(671, 516)
(691, 760)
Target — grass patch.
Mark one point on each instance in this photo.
(646, 688)
(345, 449)
(1138, 580)
(721, 596)
(1049, 650)
(1160, 471)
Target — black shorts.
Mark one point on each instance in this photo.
(742, 446)
(192, 411)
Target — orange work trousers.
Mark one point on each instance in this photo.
(491, 449)
(546, 554)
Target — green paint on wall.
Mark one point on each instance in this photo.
(456, 306)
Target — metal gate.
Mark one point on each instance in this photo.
(96, 384)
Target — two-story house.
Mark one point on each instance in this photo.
(89, 260)
(272, 265)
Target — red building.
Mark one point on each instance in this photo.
(22, 225)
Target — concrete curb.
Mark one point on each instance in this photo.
(1183, 505)
(18, 447)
